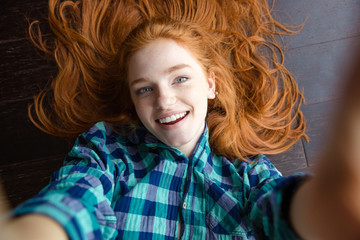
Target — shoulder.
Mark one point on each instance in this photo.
(256, 170)
(103, 135)
(258, 164)
(97, 147)
(101, 131)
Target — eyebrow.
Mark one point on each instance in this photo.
(167, 71)
(176, 67)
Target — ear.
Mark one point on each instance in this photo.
(211, 84)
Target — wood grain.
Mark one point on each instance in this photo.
(319, 68)
(24, 71)
(21, 141)
(15, 16)
(319, 126)
(290, 161)
(324, 20)
(25, 179)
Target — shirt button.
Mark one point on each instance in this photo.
(184, 205)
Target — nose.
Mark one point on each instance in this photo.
(165, 98)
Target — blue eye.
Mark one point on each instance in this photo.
(143, 90)
(181, 79)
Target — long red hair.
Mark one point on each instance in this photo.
(257, 109)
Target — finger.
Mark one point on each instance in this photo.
(4, 208)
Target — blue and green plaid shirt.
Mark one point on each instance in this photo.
(135, 187)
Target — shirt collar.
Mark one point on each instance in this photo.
(202, 152)
(142, 137)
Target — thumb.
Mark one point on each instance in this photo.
(4, 208)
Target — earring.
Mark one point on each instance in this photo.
(213, 95)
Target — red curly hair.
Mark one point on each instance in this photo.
(257, 109)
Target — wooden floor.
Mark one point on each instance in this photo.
(317, 57)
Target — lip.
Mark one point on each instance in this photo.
(170, 114)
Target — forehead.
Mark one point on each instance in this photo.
(158, 56)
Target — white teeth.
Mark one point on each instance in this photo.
(172, 118)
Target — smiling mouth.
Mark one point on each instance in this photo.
(173, 118)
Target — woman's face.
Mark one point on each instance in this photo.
(170, 92)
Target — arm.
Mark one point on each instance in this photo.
(33, 227)
(76, 202)
(28, 227)
(328, 206)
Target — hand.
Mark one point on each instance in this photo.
(32, 226)
(4, 208)
(339, 168)
(328, 206)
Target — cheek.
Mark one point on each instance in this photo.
(200, 94)
(143, 110)
(199, 100)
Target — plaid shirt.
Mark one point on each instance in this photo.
(135, 187)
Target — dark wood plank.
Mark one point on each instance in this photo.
(316, 58)
(24, 71)
(319, 126)
(319, 68)
(291, 161)
(25, 179)
(326, 20)
(16, 15)
(20, 141)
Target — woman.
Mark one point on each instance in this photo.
(167, 164)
